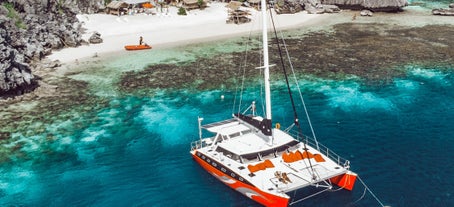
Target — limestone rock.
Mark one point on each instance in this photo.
(95, 38)
(443, 12)
(366, 13)
(37, 27)
(373, 5)
(287, 6)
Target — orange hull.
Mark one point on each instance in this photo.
(137, 47)
(346, 181)
(252, 192)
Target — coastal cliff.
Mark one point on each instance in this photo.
(29, 31)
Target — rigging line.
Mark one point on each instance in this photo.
(244, 72)
(370, 191)
(301, 95)
(236, 91)
(295, 114)
(243, 77)
(360, 198)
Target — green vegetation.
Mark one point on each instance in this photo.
(60, 7)
(12, 14)
(181, 11)
(200, 3)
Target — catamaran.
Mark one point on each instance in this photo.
(265, 163)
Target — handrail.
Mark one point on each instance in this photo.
(307, 139)
(322, 148)
(197, 144)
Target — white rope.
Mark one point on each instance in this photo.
(370, 191)
(360, 198)
(244, 72)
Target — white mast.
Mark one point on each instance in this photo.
(266, 62)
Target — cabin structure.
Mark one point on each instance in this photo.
(128, 7)
(194, 4)
(139, 3)
(254, 3)
(236, 15)
(117, 8)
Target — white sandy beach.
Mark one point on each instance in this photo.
(163, 30)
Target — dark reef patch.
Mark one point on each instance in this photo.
(376, 53)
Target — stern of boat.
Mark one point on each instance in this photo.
(345, 181)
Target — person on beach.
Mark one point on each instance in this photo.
(140, 40)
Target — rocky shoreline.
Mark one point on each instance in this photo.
(444, 11)
(29, 31)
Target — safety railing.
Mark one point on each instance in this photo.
(308, 140)
(201, 143)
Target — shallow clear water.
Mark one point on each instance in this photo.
(431, 4)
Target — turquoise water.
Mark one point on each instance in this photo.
(431, 4)
(134, 152)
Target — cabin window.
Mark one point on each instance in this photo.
(218, 138)
(234, 135)
(246, 131)
(218, 149)
(251, 157)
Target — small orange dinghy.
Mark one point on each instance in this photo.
(137, 47)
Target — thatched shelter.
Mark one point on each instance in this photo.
(236, 15)
(194, 4)
(234, 5)
(254, 3)
(136, 2)
(374, 5)
(117, 7)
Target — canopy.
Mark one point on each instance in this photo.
(136, 1)
(117, 4)
(234, 5)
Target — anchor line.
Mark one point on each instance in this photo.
(367, 189)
